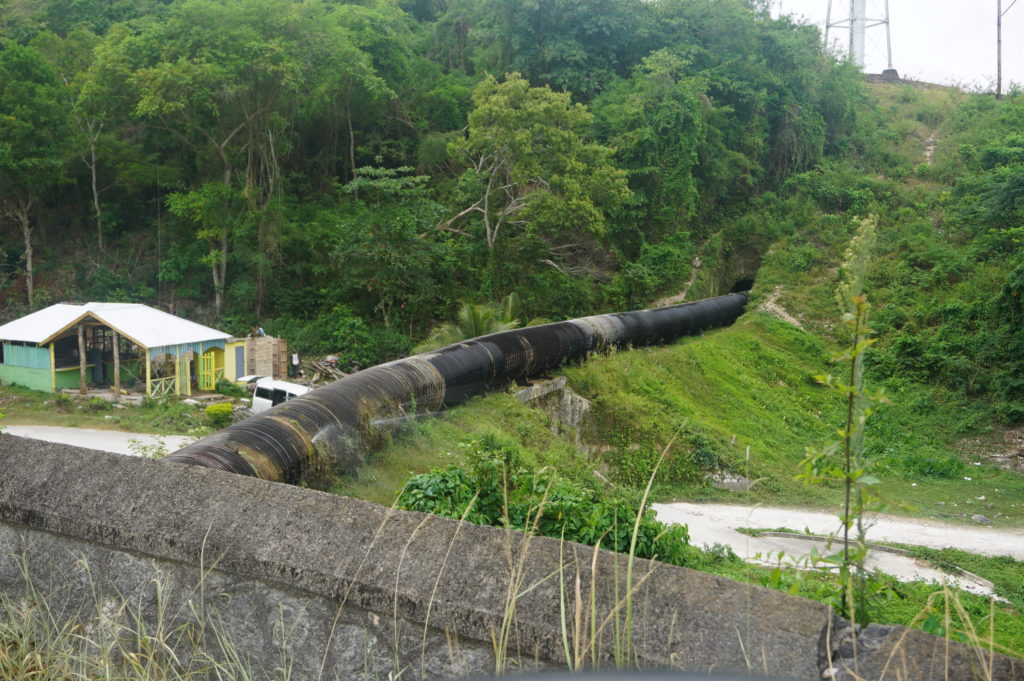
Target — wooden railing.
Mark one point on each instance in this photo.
(161, 387)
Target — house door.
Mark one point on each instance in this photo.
(206, 372)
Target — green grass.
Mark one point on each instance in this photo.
(921, 605)
(1004, 572)
(21, 406)
(436, 441)
(746, 386)
(750, 385)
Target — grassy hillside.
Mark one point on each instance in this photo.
(751, 388)
(942, 179)
(748, 386)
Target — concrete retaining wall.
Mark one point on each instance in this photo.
(335, 587)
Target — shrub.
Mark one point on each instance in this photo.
(98, 404)
(175, 415)
(62, 402)
(229, 388)
(925, 463)
(498, 489)
(342, 332)
(219, 415)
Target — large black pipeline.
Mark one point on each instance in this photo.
(336, 425)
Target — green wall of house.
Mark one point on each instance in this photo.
(67, 379)
(132, 371)
(29, 356)
(36, 379)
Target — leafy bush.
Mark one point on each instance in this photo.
(925, 463)
(341, 332)
(62, 403)
(175, 415)
(98, 404)
(229, 389)
(498, 489)
(692, 456)
(219, 415)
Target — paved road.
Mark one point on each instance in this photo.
(115, 441)
(717, 523)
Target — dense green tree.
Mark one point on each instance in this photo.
(383, 245)
(99, 114)
(531, 168)
(656, 122)
(356, 53)
(33, 133)
(216, 211)
(796, 127)
(213, 76)
(576, 46)
(256, 116)
(448, 39)
(95, 16)
(70, 57)
(225, 78)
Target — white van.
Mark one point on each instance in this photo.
(270, 392)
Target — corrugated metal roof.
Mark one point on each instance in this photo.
(146, 326)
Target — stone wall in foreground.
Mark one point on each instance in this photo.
(338, 588)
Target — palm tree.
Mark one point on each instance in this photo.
(474, 320)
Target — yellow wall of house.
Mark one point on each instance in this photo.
(231, 370)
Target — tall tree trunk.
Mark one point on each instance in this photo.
(220, 262)
(351, 144)
(95, 193)
(81, 359)
(261, 264)
(21, 214)
(223, 264)
(217, 268)
(117, 365)
(262, 173)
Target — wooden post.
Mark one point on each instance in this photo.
(177, 370)
(149, 369)
(81, 359)
(117, 365)
(53, 369)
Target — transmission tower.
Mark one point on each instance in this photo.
(857, 24)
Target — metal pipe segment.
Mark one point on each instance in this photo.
(337, 425)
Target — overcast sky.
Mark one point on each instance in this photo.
(939, 41)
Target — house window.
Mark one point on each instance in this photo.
(65, 352)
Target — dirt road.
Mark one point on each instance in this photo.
(115, 441)
(717, 523)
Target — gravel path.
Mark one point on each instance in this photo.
(115, 441)
(717, 523)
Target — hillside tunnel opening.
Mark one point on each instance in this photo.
(742, 286)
